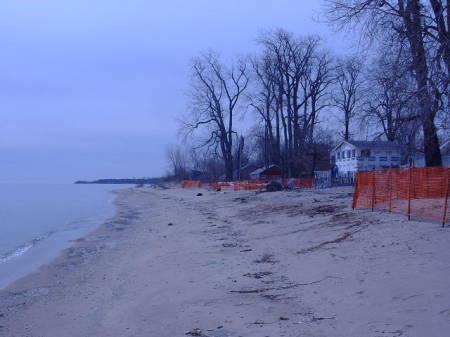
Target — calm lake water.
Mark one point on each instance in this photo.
(38, 221)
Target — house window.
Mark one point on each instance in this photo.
(383, 158)
(338, 155)
(348, 153)
(353, 153)
(368, 153)
(372, 158)
(343, 154)
(395, 158)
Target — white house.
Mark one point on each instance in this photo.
(352, 156)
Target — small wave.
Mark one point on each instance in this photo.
(22, 249)
(72, 226)
(16, 253)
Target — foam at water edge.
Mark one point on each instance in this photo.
(22, 249)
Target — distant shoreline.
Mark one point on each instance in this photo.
(126, 181)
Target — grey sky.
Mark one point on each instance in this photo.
(91, 88)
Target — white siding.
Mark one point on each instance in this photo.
(350, 159)
(346, 159)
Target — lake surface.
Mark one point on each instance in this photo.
(38, 221)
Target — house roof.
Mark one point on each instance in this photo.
(245, 171)
(248, 167)
(262, 169)
(445, 148)
(368, 144)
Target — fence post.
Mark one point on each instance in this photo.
(444, 217)
(390, 189)
(373, 189)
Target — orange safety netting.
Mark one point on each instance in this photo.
(191, 184)
(421, 192)
(221, 184)
(248, 184)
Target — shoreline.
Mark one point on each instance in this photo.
(43, 249)
(70, 244)
(41, 244)
(171, 263)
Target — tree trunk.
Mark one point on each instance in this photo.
(347, 126)
(286, 148)
(289, 154)
(431, 143)
(412, 19)
(277, 146)
(229, 167)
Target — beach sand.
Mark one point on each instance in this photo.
(298, 263)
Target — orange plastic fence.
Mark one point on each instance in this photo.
(248, 184)
(191, 184)
(299, 182)
(421, 192)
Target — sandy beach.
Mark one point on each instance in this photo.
(297, 263)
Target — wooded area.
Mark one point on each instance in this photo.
(290, 103)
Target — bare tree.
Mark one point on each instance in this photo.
(425, 25)
(263, 101)
(215, 93)
(439, 30)
(292, 59)
(178, 162)
(348, 92)
(316, 87)
(240, 156)
(391, 102)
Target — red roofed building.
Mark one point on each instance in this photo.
(271, 172)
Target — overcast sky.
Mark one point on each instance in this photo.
(92, 88)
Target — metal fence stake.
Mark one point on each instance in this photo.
(409, 192)
(373, 189)
(390, 190)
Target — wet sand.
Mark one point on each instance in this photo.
(171, 263)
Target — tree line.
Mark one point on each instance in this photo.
(300, 98)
